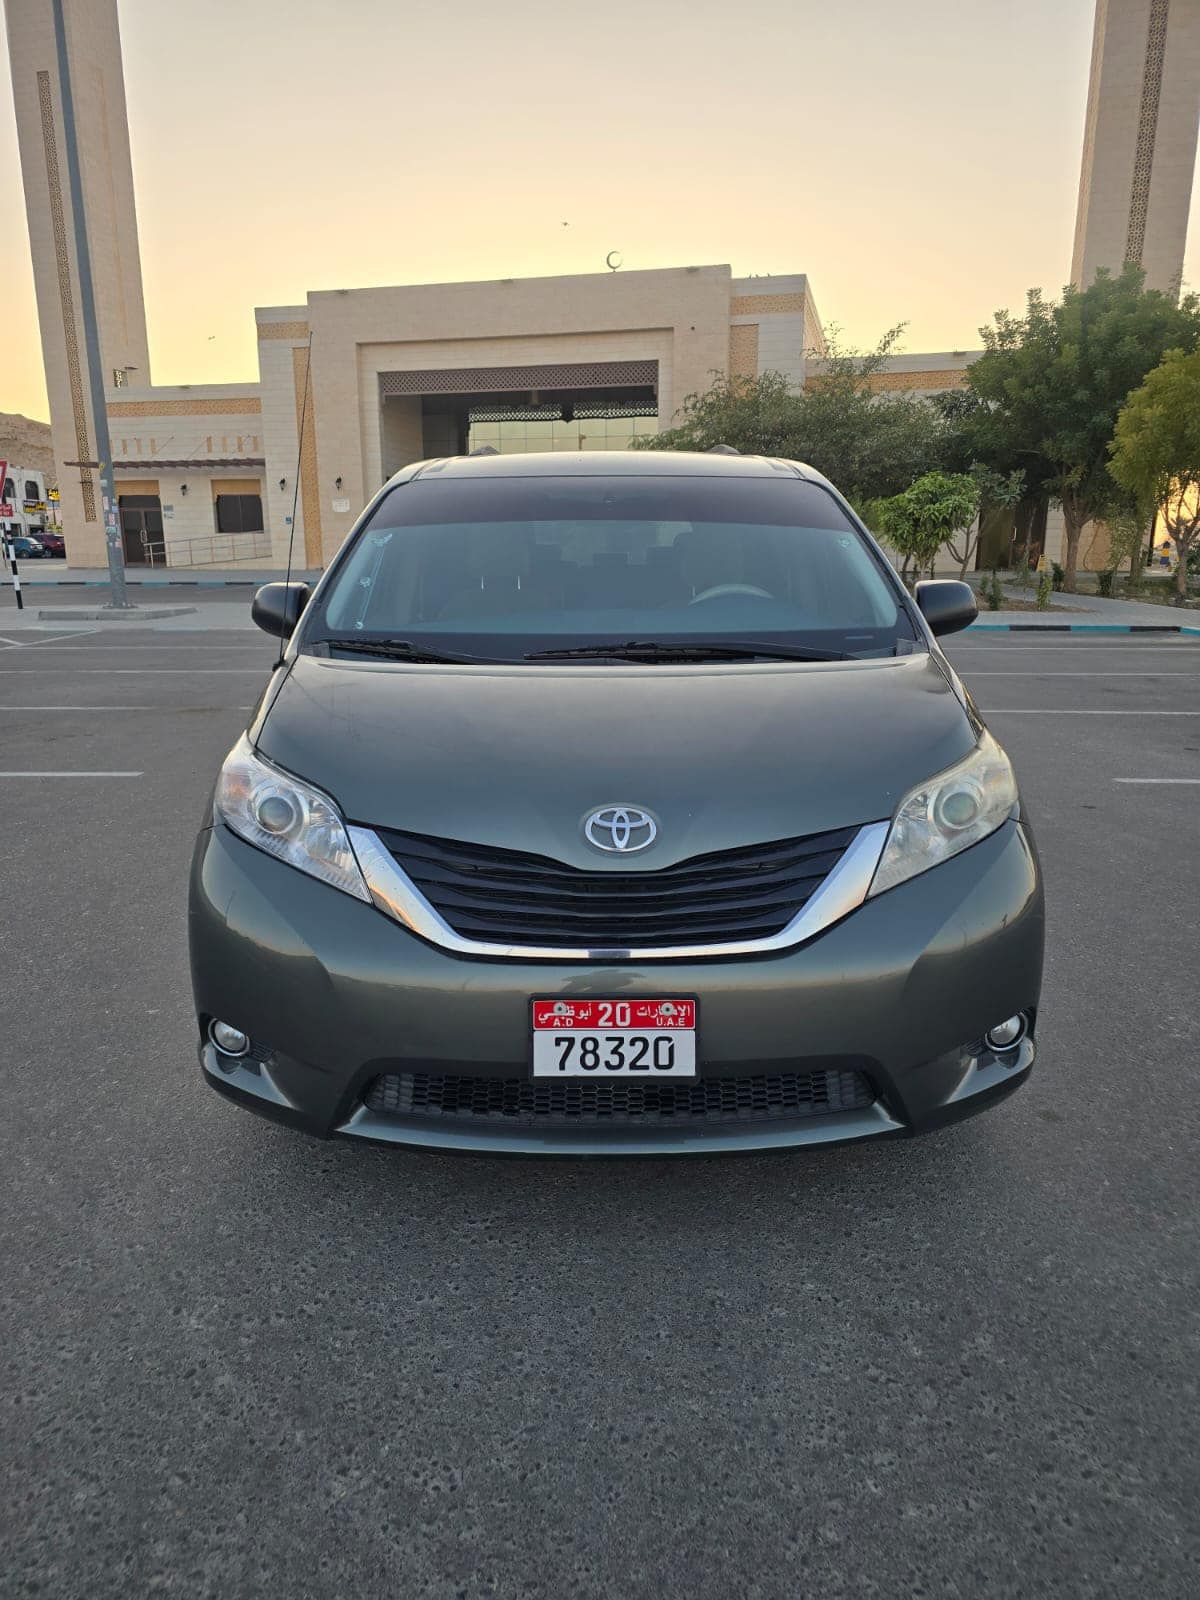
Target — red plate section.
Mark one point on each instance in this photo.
(554, 1015)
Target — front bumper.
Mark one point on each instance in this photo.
(335, 994)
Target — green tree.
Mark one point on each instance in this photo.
(938, 509)
(1127, 522)
(1054, 381)
(870, 444)
(1156, 451)
(758, 416)
(998, 491)
(981, 438)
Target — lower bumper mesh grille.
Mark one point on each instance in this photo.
(529, 1102)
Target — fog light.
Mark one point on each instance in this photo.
(1005, 1035)
(231, 1041)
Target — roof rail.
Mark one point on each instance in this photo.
(722, 450)
(484, 450)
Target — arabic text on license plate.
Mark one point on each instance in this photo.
(643, 1039)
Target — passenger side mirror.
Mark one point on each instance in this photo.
(946, 604)
(277, 607)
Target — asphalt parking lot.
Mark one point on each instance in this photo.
(240, 1362)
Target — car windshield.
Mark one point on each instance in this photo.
(504, 567)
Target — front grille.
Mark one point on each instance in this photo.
(548, 1103)
(509, 897)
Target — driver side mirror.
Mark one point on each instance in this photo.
(278, 607)
(946, 604)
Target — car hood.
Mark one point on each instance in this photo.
(518, 757)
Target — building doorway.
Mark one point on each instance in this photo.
(142, 530)
(597, 405)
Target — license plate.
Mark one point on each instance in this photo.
(644, 1039)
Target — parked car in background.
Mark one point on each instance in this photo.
(52, 543)
(25, 505)
(26, 549)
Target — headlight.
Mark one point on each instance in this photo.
(947, 814)
(287, 819)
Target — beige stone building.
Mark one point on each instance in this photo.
(353, 384)
(1139, 141)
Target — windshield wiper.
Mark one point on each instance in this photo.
(647, 650)
(402, 650)
(690, 650)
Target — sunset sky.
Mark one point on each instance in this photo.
(919, 160)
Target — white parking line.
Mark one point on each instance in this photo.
(42, 644)
(89, 709)
(1175, 642)
(70, 774)
(1052, 711)
(101, 649)
(1156, 780)
(138, 672)
(1144, 672)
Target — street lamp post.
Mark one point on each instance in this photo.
(118, 596)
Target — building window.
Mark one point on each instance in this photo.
(597, 433)
(9, 492)
(32, 491)
(120, 377)
(239, 513)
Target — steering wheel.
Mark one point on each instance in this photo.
(719, 589)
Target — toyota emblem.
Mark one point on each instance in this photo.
(623, 829)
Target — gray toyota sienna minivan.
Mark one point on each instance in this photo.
(614, 804)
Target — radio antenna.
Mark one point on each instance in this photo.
(296, 479)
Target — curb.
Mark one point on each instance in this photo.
(1082, 627)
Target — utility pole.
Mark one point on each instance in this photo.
(8, 550)
(118, 596)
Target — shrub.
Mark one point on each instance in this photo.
(993, 593)
(1058, 576)
(1044, 590)
(1104, 582)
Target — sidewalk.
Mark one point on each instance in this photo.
(1089, 613)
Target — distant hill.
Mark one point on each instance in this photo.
(26, 443)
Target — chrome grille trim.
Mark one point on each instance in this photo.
(841, 892)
